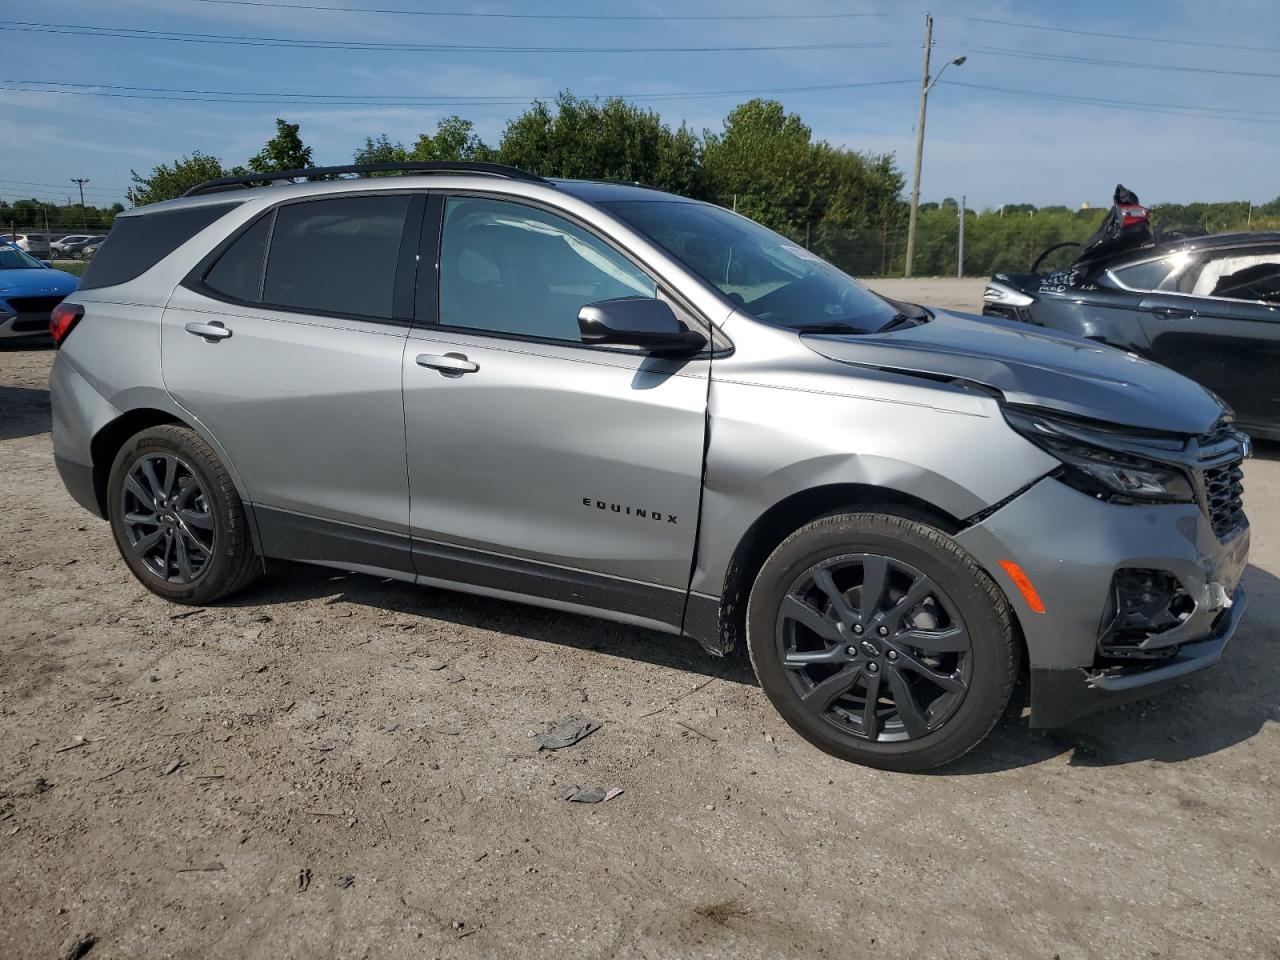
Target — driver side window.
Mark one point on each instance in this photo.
(510, 268)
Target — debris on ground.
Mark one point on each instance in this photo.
(346, 880)
(304, 879)
(591, 794)
(565, 733)
(203, 868)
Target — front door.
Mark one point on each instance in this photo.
(538, 465)
(1224, 331)
(291, 357)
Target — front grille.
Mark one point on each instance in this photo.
(1223, 495)
(34, 304)
(1221, 454)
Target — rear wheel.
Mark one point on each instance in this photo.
(881, 641)
(177, 519)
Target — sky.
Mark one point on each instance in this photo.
(1199, 80)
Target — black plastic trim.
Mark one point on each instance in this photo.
(293, 536)
(442, 561)
(406, 281)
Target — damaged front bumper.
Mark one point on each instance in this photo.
(1060, 695)
(1074, 549)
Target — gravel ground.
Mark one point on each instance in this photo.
(178, 783)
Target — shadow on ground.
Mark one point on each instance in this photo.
(24, 412)
(1212, 711)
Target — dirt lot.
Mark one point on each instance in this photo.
(196, 784)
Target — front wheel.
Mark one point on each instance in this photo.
(177, 519)
(881, 641)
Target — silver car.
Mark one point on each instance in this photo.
(609, 400)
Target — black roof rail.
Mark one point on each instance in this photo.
(422, 166)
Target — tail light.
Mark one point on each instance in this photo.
(64, 317)
(1131, 214)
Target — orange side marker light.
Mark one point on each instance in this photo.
(1023, 583)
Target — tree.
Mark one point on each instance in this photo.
(762, 164)
(381, 150)
(168, 181)
(609, 140)
(284, 151)
(454, 139)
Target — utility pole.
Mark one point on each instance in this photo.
(80, 182)
(960, 243)
(915, 185)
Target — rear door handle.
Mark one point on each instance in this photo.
(212, 331)
(1173, 313)
(450, 364)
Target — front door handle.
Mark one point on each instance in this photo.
(450, 364)
(212, 332)
(1173, 313)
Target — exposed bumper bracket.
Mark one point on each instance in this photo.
(1060, 695)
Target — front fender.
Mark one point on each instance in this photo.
(769, 444)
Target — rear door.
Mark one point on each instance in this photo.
(540, 465)
(1221, 328)
(286, 343)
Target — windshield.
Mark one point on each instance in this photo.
(11, 258)
(766, 274)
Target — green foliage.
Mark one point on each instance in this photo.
(454, 139)
(603, 141)
(167, 181)
(284, 151)
(35, 216)
(381, 150)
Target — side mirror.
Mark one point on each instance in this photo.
(638, 322)
(47, 263)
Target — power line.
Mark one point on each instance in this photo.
(129, 33)
(1125, 64)
(548, 16)
(353, 100)
(1214, 113)
(12, 184)
(1093, 33)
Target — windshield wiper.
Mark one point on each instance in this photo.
(904, 320)
(829, 326)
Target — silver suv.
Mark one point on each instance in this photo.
(609, 400)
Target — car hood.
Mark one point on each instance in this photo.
(34, 281)
(1068, 374)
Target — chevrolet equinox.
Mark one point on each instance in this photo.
(609, 400)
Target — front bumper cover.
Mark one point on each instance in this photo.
(1060, 695)
(1070, 546)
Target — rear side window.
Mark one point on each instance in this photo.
(238, 272)
(136, 244)
(336, 256)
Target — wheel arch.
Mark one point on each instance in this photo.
(720, 626)
(110, 437)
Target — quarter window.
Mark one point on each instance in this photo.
(336, 255)
(509, 268)
(238, 272)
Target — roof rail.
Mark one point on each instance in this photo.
(423, 166)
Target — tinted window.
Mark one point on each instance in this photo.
(509, 268)
(238, 272)
(1154, 274)
(136, 244)
(336, 255)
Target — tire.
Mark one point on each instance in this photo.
(204, 551)
(947, 649)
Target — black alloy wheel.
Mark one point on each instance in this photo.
(874, 647)
(167, 520)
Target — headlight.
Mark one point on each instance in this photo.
(999, 293)
(1098, 470)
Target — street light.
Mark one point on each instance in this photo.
(926, 84)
